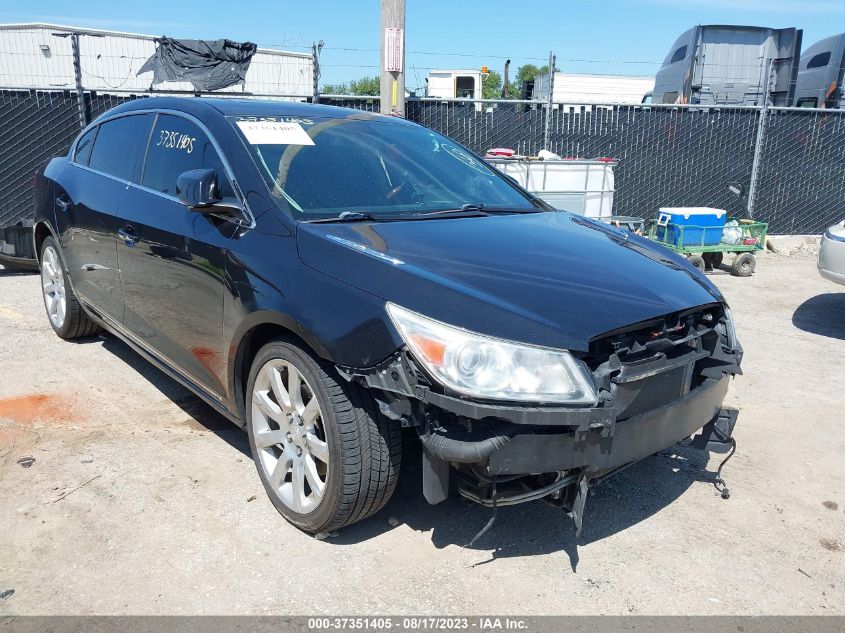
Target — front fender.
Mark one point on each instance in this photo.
(342, 324)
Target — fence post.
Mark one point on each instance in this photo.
(552, 59)
(758, 144)
(77, 74)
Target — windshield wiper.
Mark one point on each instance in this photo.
(471, 210)
(480, 206)
(348, 216)
(465, 211)
(475, 209)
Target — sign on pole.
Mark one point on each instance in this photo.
(393, 54)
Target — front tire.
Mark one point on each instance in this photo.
(66, 316)
(743, 265)
(326, 457)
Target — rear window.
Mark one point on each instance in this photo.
(176, 146)
(819, 61)
(119, 146)
(84, 146)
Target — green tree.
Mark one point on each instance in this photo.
(491, 86)
(366, 87)
(527, 73)
(335, 89)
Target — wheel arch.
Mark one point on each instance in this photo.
(257, 330)
(40, 232)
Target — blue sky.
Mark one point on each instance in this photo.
(615, 35)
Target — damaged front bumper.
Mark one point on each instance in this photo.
(633, 439)
(659, 383)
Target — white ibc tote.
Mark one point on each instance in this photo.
(582, 186)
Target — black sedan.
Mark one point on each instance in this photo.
(325, 277)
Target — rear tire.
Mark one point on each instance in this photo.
(743, 265)
(697, 261)
(325, 455)
(66, 316)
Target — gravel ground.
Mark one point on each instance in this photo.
(141, 500)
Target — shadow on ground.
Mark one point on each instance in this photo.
(16, 272)
(531, 529)
(192, 405)
(823, 315)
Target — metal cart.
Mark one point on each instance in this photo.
(696, 246)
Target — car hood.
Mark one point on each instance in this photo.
(551, 279)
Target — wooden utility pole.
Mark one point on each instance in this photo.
(392, 57)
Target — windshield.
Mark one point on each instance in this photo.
(371, 165)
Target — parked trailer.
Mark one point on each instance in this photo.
(453, 84)
(729, 65)
(576, 88)
(821, 73)
(16, 246)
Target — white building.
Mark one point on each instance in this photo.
(40, 56)
(571, 88)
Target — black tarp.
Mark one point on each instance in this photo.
(206, 64)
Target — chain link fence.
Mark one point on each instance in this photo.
(667, 155)
(670, 156)
(33, 127)
(800, 186)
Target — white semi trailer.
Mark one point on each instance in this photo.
(575, 88)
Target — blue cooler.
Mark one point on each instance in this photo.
(702, 226)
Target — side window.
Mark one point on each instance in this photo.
(178, 145)
(680, 54)
(119, 146)
(807, 102)
(84, 147)
(819, 61)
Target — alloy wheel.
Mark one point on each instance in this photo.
(287, 426)
(53, 286)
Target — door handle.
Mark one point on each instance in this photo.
(128, 235)
(63, 202)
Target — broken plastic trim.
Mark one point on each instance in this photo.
(531, 495)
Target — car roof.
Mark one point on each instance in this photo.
(203, 107)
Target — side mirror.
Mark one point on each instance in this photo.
(197, 188)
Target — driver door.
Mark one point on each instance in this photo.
(173, 259)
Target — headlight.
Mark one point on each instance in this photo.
(478, 365)
(730, 330)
